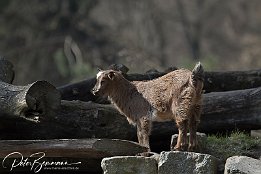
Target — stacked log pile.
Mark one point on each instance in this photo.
(42, 111)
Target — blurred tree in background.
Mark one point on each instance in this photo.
(64, 40)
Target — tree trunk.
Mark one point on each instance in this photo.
(222, 111)
(214, 82)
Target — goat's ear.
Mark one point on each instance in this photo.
(111, 75)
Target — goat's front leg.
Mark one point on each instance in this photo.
(143, 131)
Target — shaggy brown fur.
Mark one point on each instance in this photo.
(174, 96)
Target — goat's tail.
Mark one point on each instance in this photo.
(197, 74)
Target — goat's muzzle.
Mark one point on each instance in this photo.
(94, 91)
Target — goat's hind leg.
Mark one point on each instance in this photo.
(193, 124)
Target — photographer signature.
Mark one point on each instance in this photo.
(36, 165)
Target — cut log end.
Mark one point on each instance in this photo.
(41, 98)
(33, 102)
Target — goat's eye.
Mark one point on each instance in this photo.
(102, 82)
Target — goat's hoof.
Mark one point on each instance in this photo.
(193, 148)
(155, 156)
(177, 148)
(144, 154)
(180, 148)
(174, 148)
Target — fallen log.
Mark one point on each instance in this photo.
(222, 111)
(214, 82)
(232, 80)
(75, 119)
(86, 154)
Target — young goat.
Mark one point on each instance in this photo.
(174, 96)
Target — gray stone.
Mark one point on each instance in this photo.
(129, 165)
(186, 163)
(242, 165)
(201, 138)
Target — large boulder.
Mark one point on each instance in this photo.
(186, 163)
(242, 165)
(129, 165)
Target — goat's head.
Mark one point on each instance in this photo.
(105, 81)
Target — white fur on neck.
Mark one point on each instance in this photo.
(99, 74)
